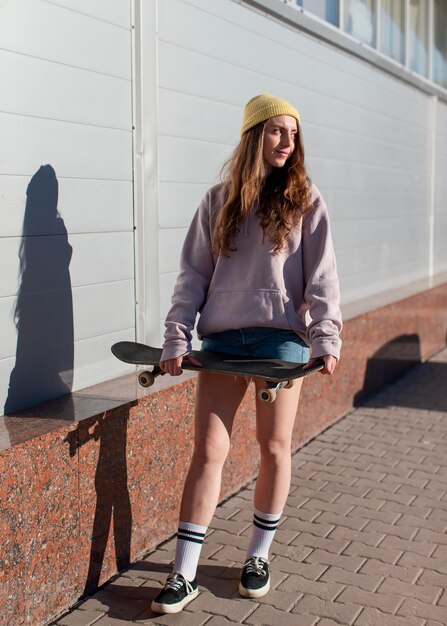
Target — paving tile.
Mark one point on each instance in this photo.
(115, 606)
(235, 608)
(367, 502)
(353, 523)
(326, 543)
(107, 620)
(426, 535)
(388, 603)
(405, 574)
(342, 613)
(414, 559)
(435, 525)
(432, 578)
(280, 599)
(219, 620)
(403, 531)
(350, 563)
(386, 517)
(80, 618)
(266, 615)
(313, 528)
(372, 539)
(367, 582)
(296, 552)
(311, 571)
(419, 547)
(185, 618)
(443, 599)
(415, 608)
(337, 507)
(300, 585)
(399, 588)
(440, 552)
(374, 617)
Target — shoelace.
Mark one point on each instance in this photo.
(255, 565)
(176, 581)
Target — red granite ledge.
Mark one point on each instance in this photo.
(52, 415)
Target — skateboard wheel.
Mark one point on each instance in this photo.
(289, 384)
(267, 395)
(146, 379)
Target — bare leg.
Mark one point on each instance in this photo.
(274, 426)
(217, 400)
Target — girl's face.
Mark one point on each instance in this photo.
(279, 140)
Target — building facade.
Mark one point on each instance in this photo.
(116, 117)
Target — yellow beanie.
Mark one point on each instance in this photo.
(263, 107)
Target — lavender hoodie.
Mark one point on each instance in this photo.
(295, 289)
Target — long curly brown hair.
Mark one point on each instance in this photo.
(283, 196)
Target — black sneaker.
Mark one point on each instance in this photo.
(255, 578)
(177, 593)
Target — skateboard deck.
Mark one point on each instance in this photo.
(276, 373)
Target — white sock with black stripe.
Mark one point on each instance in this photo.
(263, 531)
(190, 539)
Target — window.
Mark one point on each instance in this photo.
(419, 36)
(413, 33)
(360, 20)
(440, 43)
(326, 9)
(392, 29)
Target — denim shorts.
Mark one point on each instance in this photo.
(259, 342)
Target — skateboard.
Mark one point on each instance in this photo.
(276, 373)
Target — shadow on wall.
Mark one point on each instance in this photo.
(388, 364)
(44, 308)
(112, 493)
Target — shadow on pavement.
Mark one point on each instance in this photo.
(220, 581)
(418, 385)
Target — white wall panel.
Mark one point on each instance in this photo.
(180, 112)
(101, 258)
(171, 241)
(84, 205)
(73, 150)
(94, 361)
(178, 203)
(440, 199)
(8, 334)
(9, 268)
(117, 13)
(89, 205)
(103, 309)
(66, 102)
(186, 160)
(44, 30)
(32, 86)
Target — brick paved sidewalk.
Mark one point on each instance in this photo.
(363, 540)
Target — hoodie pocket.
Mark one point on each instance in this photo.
(237, 309)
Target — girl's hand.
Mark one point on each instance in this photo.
(330, 363)
(174, 366)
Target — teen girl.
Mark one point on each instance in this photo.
(258, 265)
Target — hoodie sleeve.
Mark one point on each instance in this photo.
(196, 270)
(321, 291)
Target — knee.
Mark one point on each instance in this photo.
(275, 451)
(210, 451)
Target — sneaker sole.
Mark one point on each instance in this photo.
(254, 593)
(158, 607)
